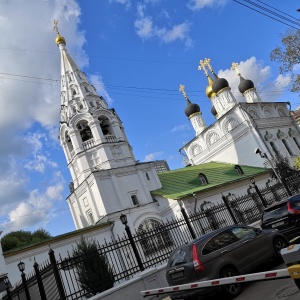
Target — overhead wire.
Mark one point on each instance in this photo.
(269, 16)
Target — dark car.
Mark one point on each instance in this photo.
(284, 216)
(226, 252)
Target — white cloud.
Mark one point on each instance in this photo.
(199, 4)
(28, 49)
(97, 81)
(180, 128)
(35, 210)
(146, 29)
(268, 89)
(153, 156)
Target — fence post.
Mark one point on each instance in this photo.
(263, 200)
(186, 218)
(229, 209)
(59, 285)
(123, 219)
(39, 281)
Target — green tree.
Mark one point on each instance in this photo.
(288, 54)
(297, 163)
(21, 238)
(283, 166)
(94, 272)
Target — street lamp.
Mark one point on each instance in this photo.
(7, 283)
(123, 219)
(263, 200)
(21, 266)
(264, 155)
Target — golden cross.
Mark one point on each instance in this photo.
(202, 67)
(181, 89)
(55, 26)
(207, 63)
(234, 66)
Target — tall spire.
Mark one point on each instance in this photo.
(192, 111)
(246, 86)
(91, 134)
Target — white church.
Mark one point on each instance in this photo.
(108, 181)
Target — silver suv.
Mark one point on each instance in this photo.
(226, 252)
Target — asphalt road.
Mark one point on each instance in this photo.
(279, 289)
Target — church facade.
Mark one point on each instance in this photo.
(241, 129)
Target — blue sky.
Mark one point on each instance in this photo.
(136, 53)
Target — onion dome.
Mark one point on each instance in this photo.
(219, 84)
(209, 91)
(213, 111)
(245, 85)
(191, 108)
(59, 39)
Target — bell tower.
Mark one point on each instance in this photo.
(106, 176)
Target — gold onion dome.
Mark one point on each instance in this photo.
(209, 90)
(59, 39)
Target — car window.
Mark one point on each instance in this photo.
(218, 242)
(178, 257)
(243, 233)
(275, 213)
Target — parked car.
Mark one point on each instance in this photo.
(284, 216)
(225, 252)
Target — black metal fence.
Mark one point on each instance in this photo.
(57, 278)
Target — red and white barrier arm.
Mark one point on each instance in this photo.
(276, 274)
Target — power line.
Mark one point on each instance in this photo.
(266, 14)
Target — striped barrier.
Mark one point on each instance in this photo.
(276, 274)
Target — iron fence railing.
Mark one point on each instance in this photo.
(59, 276)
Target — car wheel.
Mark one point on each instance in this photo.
(231, 290)
(279, 243)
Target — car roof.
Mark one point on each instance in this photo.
(213, 233)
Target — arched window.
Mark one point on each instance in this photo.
(288, 147)
(154, 236)
(202, 179)
(296, 142)
(85, 131)
(69, 142)
(105, 125)
(275, 148)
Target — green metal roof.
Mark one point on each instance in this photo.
(179, 183)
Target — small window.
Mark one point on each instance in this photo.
(287, 146)
(147, 175)
(238, 170)
(296, 142)
(274, 147)
(86, 88)
(134, 200)
(202, 179)
(90, 217)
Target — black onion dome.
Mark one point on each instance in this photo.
(213, 111)
(219, 84)
(245, 85)
(191, 108)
